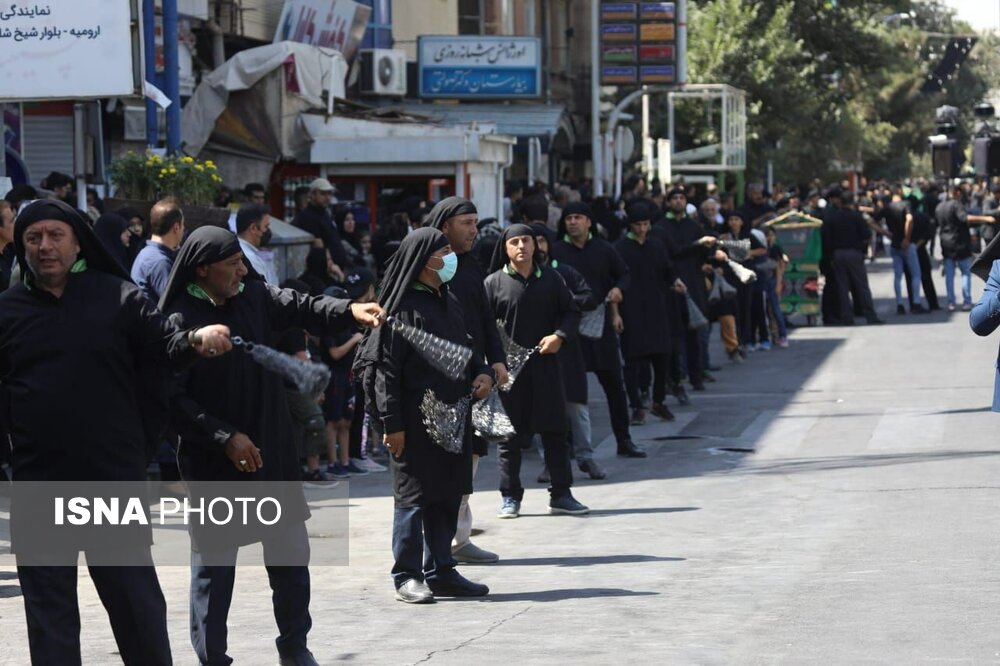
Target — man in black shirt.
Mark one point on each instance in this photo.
(956, 244)
(896, 214)
(756, 209)
(316, 219)
(75, 336)
(844, 237)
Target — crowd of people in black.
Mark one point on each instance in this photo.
(558, 289)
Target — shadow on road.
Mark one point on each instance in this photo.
(564, 595)
(795, 466)
(578, 561)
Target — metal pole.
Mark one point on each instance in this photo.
(79, 156)
(149, 49)
(172, 74)
(595, 97)
(647, 148)
(682, 43)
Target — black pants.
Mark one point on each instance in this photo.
(556, 460)
(633, 371)
(131, 596)
(692, 356)
(926, 279)
(759, 331)
(421, 541)
(852, 276)
(212, 595)
(744, 311)
(614, 390)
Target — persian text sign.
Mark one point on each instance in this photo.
(479, 67)
(69, 49)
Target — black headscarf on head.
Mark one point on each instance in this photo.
(109, 228)
(541, 229)
(575, 208)
(448, 208)
(91, 248)
(128, 212)
(413, 254)
(500, 251)
(205, 245)
(352, 238)
(316, 263)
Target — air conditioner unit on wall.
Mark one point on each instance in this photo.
(383, 72)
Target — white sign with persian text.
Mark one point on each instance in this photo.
(68, 49)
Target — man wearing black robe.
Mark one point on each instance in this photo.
(690, 250)
(537, 310)
(608, 278)
(645, 311)
(457, 219)
(429, 479)
(571, 366)
(234, 423)
(76, 321)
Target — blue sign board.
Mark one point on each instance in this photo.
(479, 67)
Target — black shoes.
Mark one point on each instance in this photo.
(697, 386)
(456, 585)
(918, 308)
(591, 469)
(414, 591)
(628, 449)
(661, 410)
(302, 659)
(900, 310)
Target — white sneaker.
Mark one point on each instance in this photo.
(369, 464)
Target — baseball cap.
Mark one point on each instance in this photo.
(357, 282)
(321, 184)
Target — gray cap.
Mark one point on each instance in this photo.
(321, 184)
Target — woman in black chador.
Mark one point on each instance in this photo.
(431, 454)
(537, 309)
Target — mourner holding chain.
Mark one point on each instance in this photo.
(536, 310)
(423, 416)
(244, 432)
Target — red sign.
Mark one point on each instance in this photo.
(656, 52)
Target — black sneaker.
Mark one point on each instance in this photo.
(918, 309)
(567, 505)
(661, 410)
(900, 310)
(457, 585)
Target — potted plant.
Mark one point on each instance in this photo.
(141, 179)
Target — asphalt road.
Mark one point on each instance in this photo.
(858, 526)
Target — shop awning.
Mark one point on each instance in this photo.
(344, 141)
(520, 120)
